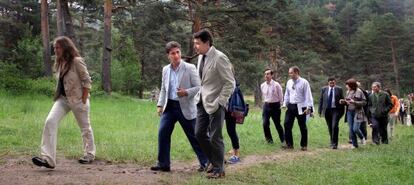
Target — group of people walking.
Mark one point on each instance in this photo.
(198, 97)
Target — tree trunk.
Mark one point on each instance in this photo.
(59, 18)
(64, 21)
(81, 29)
(258, 95)
(196, 20)
(106, 62)
(141, 89)
(395, 65)
(47, 64)
(67, 21)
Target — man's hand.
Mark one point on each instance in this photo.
(159, 110)
(85, 93)
(283, 107)
(307, 111)
(181, 92)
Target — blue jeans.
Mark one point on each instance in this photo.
(354, 128)
(171, 115)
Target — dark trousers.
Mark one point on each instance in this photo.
(171, 115)
(402, 117)
(412, 118)
(272, 110)
(291, 114)
(363, 128)
(332, 117)
(231, 130)
(208, 133)
(379, 129)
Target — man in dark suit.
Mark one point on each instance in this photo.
(331, 109)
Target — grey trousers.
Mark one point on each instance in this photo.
(208, 131)
(49, 138)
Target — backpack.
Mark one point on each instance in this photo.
(237, 108)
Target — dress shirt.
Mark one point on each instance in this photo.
(174, 83)
(271, 92)
(298, 92)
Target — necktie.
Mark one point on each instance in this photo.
(330, 98)
(200, 70)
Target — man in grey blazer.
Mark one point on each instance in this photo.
(180, 83)
(331, 109)
(217, 85)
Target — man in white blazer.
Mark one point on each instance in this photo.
(180, 83)
(217, 85)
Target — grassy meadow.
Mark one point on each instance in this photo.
(126, 129)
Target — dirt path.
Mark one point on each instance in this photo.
(20, 170)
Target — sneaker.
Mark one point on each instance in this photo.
(363, 141)
(41, 162)
(233, 160)
(87, 159)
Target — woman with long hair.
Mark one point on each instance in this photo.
(355, 115)
(72, 94)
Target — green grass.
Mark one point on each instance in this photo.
(370, 164)
(126, 131)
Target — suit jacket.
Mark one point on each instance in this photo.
(217, 81)
(189, 80)
(75, 79)
(323, 101)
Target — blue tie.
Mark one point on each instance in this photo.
(330, 98)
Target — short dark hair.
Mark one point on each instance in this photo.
(331, 79)
(352, 84)
(295, 69)
(205, 36)
(171, 45)
(268, 69)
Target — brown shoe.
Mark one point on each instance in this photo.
(216, 175)
(304, 148)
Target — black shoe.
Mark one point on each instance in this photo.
(304, 148)
(334, 147)
(269, 141)
(159, 168)
(287, 147)
(41, 162)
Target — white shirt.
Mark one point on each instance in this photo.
(271, 92)
(298, 92)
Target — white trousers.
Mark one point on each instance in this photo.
(49, 138)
